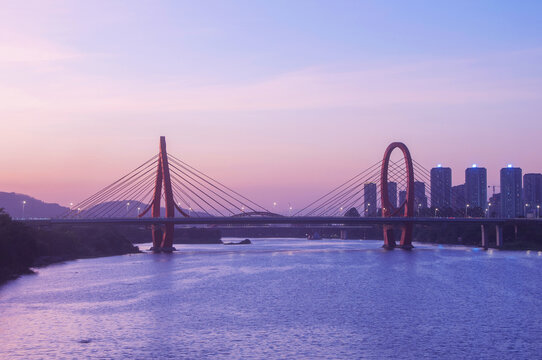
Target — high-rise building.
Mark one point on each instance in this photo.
(458, 197)
(402, 197)
(494, 206)
(441, 187)
(392, 193)
(476, 187)
(369, 196)
(532, 193)
(511, 204)
(420, 200)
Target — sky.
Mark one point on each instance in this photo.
(280, 100)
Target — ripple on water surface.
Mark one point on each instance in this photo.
(280, 299)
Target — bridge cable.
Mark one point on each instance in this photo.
(371, 168)
(226, 200)
(213, 185)
(201, 191)
(199, 197)
(111, 187)
(219, 183)
(121, 194)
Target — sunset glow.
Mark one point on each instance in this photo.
(281, 100)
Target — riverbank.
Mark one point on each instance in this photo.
(23, 248)
(527, 237)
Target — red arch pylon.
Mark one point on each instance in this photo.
(387, 208)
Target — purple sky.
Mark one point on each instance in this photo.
(280, 100)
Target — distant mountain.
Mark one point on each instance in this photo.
(117, 209)
(33, 208)
(127, 208)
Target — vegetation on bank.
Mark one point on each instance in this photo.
(23, 247)
(18, 247)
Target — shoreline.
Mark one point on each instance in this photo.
(7, 275)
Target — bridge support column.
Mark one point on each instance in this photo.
(167, 240)
(484, 237)
(389, 239)
(344, 234)
(156, 237)
(499, 236)
(406, 237)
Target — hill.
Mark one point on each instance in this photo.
(33, 208)
(12, 203)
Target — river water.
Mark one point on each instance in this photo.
(280, 299)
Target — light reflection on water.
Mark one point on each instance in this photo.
(280, 299)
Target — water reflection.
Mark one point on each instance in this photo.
(280, 299)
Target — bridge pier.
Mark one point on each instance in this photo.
(167, 240)
(484, 237)
(389, 239)
(499, 235)
(157, 235)
(406, 237)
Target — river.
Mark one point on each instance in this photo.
(280, 299)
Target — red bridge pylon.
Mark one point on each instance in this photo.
(162, 236)
(407, 206)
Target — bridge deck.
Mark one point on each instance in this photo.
(299, 220)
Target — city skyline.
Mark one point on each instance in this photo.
(303, 98)
(423, 189)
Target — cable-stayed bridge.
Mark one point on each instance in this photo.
(391, 193)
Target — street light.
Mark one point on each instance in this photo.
(436, 209)
(290, 209)
(537, 211)
(138, 210)
(24, 203)
(488, 210)
(525, 210)
(127, 204)
(467, 210)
